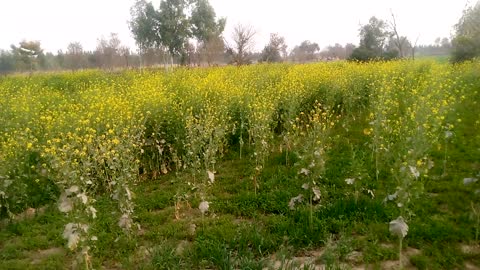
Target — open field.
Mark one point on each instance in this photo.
(291, 165)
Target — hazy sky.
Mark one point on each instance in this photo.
(57, 22)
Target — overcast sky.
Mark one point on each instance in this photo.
(57, 22)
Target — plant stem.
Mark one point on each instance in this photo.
(376, 164)
(86, 260)
(477, 216)
(445, 159)
(400, 253)
(311, 214)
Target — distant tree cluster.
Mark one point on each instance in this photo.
(441, 47)
(28, 56)
(276, 49)
(466, 42)
(306, 51)
(337, 52)
(170, 29)
(380, 40)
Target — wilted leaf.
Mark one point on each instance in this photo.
(93, 211)
(72, 190)
(414, 171)
(129, 194)
(350, 181)
(73, 240)
(398, 227)
(470, 180)
(204, 207)
(295, 200)
(211, 176)
(304, 171)
(317, 193)
(83, 198)
(65, 205)
(125, 222)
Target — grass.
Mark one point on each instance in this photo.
(244, 229)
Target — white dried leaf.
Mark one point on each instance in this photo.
(295, 200)
(93, 211)
(392, 196)
(83, 227)
(73, 240)
(304, 171)
(350, 181)
(204, 207)
(83, 198)
(470, 180)
(72, 190)
(125, 222)
(163, 168)
(371, 193)
(65, 204)
(398, 227)
(211, 176)
(129, 194)
(69, 229)
(306, 186)
(317, 193)
(94, 238)
(414, 171)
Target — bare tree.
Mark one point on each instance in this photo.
(349, 47)
(243, 38)
(108, 51)
(275, 50)
(75, 57)
(333, 52)
(399, 41)
(124, 51)
(212, 51)
(414, 47)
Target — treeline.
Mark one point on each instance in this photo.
(110, 53)
(188, 32)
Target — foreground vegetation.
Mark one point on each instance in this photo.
(242, 167)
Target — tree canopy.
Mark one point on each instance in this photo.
(274, 49)
(27, 55)
(379, 42)
(173, 24)
(144, 25)
(466, 42)
(204, 24)
(305, 51)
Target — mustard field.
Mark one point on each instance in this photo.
(242, 167)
